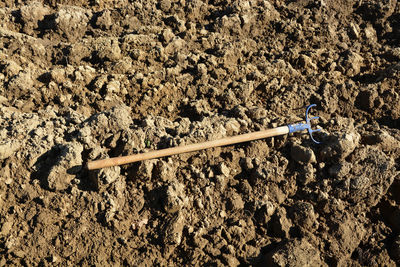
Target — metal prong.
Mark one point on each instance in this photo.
(310, 131)
(315, 141)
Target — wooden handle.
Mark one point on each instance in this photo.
(98, 164)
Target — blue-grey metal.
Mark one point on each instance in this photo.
(303, 126)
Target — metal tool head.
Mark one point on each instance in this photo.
(303, 126)
(310, 131)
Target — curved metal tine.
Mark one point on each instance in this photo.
(307, 111)
(312, 138)
(310, 131)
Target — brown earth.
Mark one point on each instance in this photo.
(87, 80)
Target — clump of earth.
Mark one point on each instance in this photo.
(84, 81)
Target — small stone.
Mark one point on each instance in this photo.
(353, 63)
(21, 82)
(303, 154)
(175, 45)
(222, 214)
(223, 169)
(270, 208)
(54, 258)
(11, 68)
(232, 127)
(8, 181)
(354, 30)
(370, 34)
(71, 21)
(341, 144)
(108, 49)
(199, 203)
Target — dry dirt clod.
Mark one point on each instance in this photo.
(72, 21)
(341, 144)
(302, 154)
(340, 170)
(280, 223)
(173, 233)
(235, 202)
(104, 20)
(294, 253)
(68, 163)
(31, 14)
(175, 198)
(8, 148)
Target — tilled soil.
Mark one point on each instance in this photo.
(81, 81)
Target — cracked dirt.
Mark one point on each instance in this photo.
(86, 80)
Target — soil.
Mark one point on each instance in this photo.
(85, 80)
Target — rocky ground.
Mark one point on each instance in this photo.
(81, 81)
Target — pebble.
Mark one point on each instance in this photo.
(223, 169)
(354, 30)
